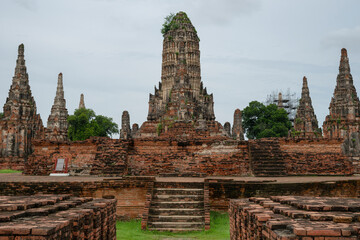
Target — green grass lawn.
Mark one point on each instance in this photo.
(219, 230)
(9, 171)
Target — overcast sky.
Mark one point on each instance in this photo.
(110, 50)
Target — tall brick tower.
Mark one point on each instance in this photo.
(305, 122)
(57, 125)
(181, 94)
(180, 97)
(343, 118)
(20, 123)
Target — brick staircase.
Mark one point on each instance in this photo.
(177, 207)
(267, 159)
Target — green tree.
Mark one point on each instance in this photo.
(1, 115)
(168, 24)
(85, 123)
(260, 121)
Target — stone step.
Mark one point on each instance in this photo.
(176, 218)
(269, 164)
(181, 204)
(198, 185)
(175, 229)
(176, 211)
(178, 197)
(269, 168)
(273, 174)
(178, 191)
(183, 225)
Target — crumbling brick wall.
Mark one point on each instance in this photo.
(315, 157)
(95, 156)
(212, 157)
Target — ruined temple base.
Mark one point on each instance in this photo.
(57, 217)
(295, 217)
(130, 192)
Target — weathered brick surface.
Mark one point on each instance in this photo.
(130, 193)
(222, 190)
(57, 217)
(196, 152)
(316, 156)
(20, 123)
(148, 156)
(95, 156)
(344, 109)
(292, 217)
(213, 156)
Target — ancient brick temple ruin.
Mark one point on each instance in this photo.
(181, 97)
(125, 131)
(57, 125)
(20, 123)
(237, 130)
(294, 217)
(180, 136)
(344, 116)
(82, 102)
(306, 124)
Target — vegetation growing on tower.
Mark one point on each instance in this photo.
(173, 22)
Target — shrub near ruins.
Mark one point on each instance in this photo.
(85, 123)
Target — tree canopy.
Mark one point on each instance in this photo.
(260, 121)
(85, 123)
(1, 115)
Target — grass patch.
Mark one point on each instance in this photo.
(9, 171)
(219, 230)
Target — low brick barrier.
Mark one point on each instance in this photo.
(288, 217)
(57, 217)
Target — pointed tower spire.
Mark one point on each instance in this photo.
(306, 124)
(344, 67)
(125, 132)
(181, 94)
(20, 123)
(82, 102)
(57, 125)
(20, 62)
(344, 107)
(280, 100)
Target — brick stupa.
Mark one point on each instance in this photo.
(57, 125)
(306, 124)
(237, 130)
(343, 118)
(20, 123)
(181, 101)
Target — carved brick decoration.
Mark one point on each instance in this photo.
(343, 118)
(20, 123)
(237, 130)
(125, 131)
(306, 124)
(57, 125)
(181, 95)
(82, 102)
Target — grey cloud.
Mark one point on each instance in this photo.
(27, 4)
(345, 37)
